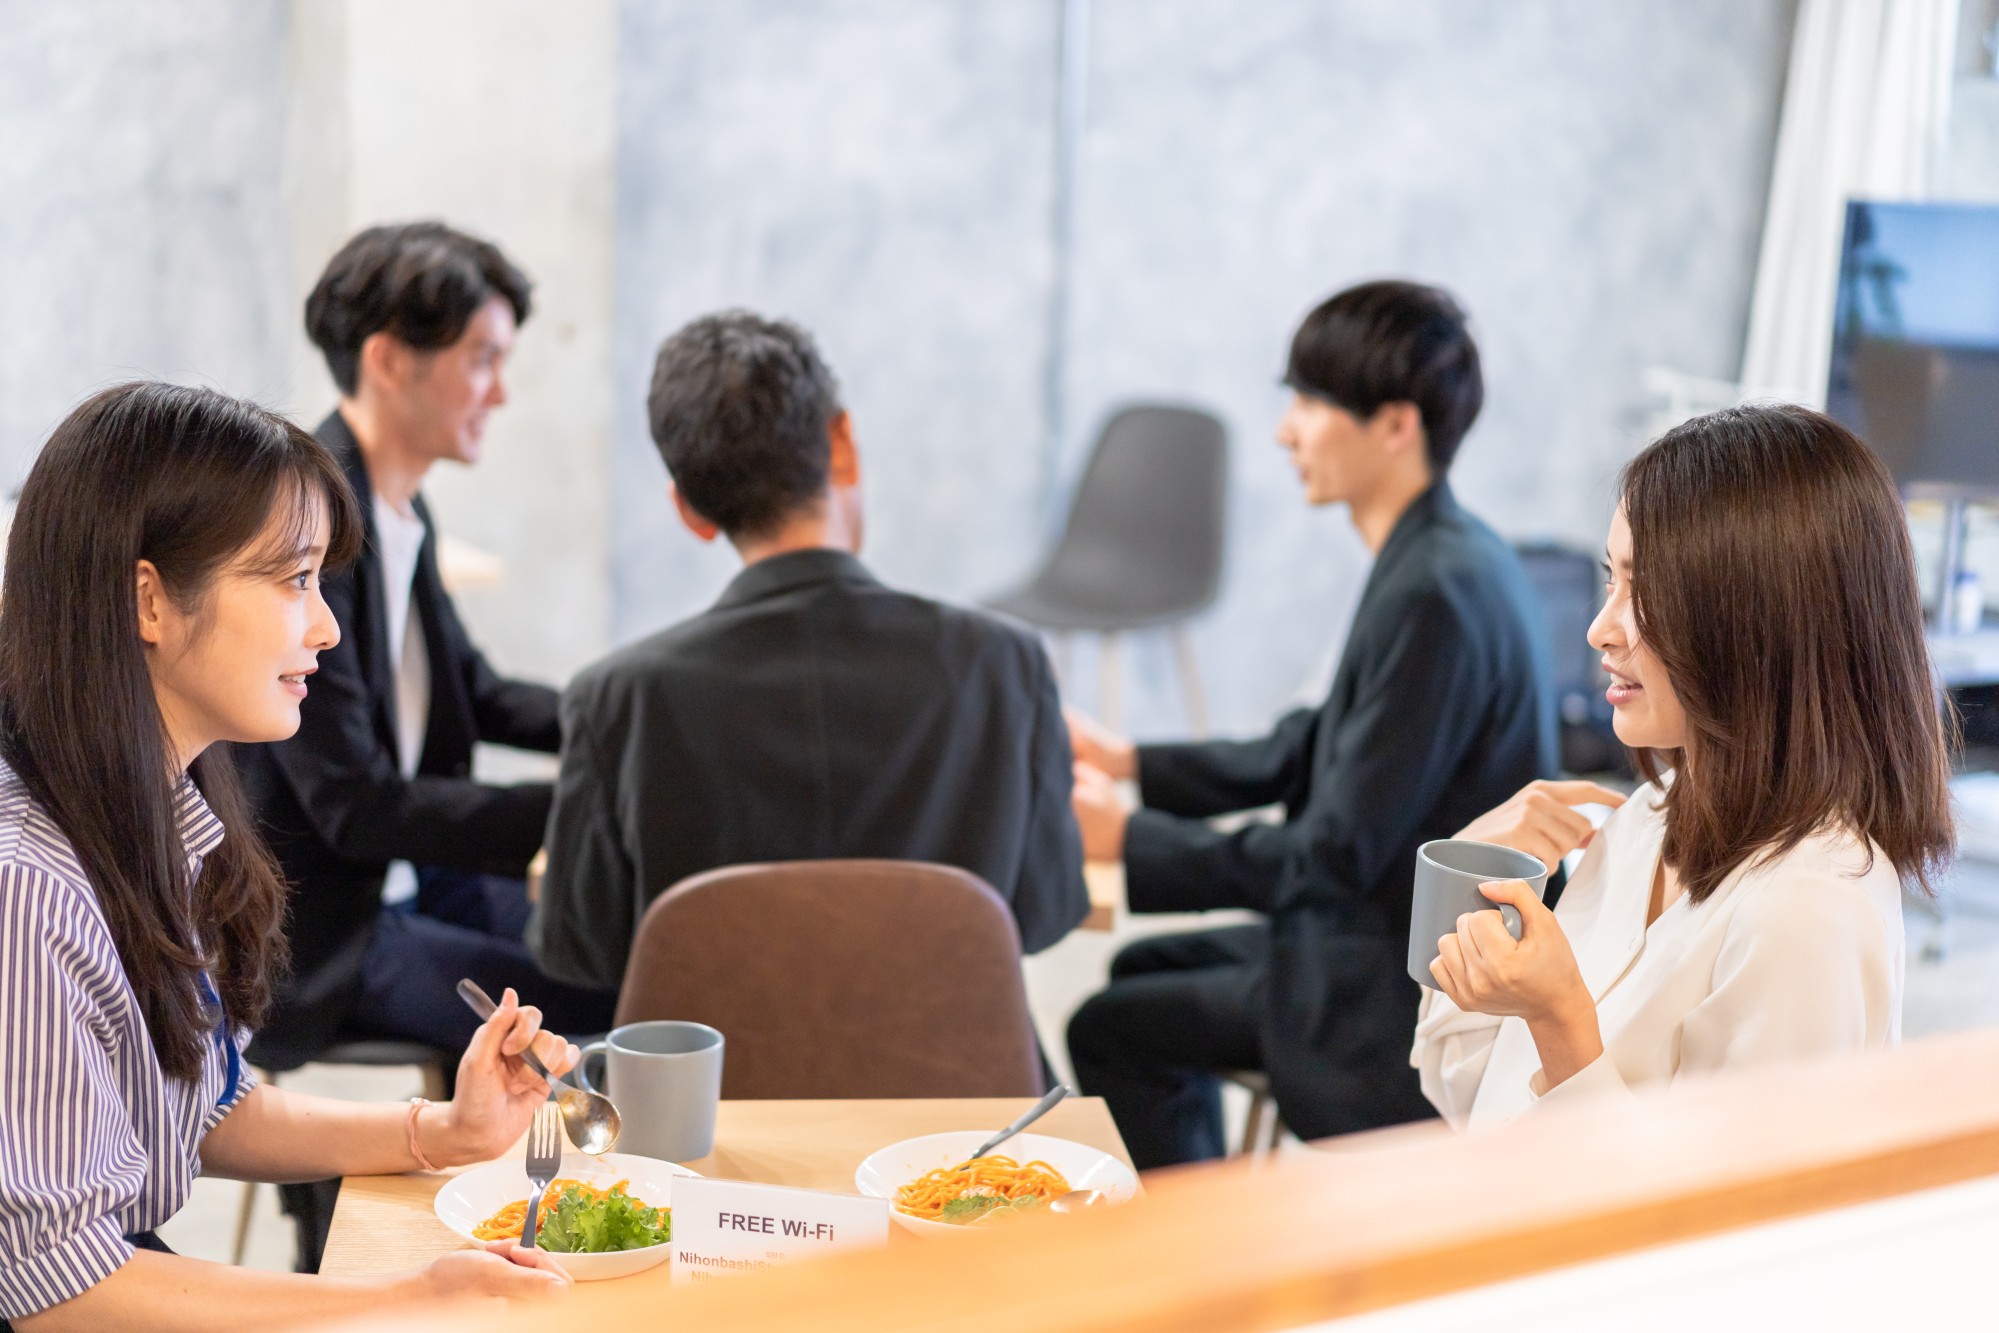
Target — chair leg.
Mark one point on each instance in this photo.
(433, 1081)
(1190, 682)
(247, 1208)
(244, 1211)
(1112, 683)
(1252, 1130)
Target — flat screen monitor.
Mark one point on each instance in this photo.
(1915, 353)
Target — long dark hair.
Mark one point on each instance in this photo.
(1772, 575)
(187, 479)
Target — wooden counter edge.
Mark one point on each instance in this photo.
(1403, 1214)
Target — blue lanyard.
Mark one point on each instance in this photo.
(225, 1038)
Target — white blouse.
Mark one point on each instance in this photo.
(1790, 958)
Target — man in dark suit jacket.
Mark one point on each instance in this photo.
(1441, 709)
(406, 872)
(812, 712)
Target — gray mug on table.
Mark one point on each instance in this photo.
(665, 1078)
(1448, 873)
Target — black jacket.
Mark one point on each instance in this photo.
(1441, 709)
(811, 712)
(333, 803)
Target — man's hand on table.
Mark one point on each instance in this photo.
(1100, 747)
(1101, 814)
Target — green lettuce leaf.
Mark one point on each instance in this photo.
(580, 1224)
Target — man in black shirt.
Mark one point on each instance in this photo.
(1441, 709)
(405, 870)
(812, 712)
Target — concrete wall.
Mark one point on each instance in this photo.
(496, 116)
(174, 176)
(142, 229)
(1589, 177)
(880, 171)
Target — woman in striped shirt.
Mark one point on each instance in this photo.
(162, 596)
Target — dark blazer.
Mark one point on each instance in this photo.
(332, 800)
(810, 713)
(1441, 709)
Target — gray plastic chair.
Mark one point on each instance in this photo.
(1142, 548)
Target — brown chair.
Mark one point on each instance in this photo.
(842, 979)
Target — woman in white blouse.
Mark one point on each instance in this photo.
(1763, 635)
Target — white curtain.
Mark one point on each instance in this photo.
(1866, 116)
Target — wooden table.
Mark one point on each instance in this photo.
(385, 1223)
(1106, 883)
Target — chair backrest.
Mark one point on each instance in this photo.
(1569, 586)
(842, 979)
(1145, 531)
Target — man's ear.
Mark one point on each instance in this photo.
(385, 358)
(1405, 424)
(1399, 426)
(691, 517)
(152, 605)
(844, 464)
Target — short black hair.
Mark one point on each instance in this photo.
(739, 409)
(421, 281)
(1393, 342)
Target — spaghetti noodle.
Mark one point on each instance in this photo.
(999, 1178)
(510, 1221)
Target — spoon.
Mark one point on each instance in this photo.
(1034, 1113)
(588, 1118)
(1076, 1201)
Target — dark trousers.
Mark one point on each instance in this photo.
(459, 925)
(1180, 1010)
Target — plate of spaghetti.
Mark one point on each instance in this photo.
(935, 1189)
(603, 1217)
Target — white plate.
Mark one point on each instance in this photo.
(1084, 1167)
(471, 1197)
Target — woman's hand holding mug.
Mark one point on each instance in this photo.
(1484, 970)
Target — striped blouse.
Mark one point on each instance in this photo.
(97, 1143)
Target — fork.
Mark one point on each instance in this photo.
(544, 1161)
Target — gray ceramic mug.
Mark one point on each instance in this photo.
(665, 1078)
(1448, 873)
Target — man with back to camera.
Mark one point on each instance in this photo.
(406, 871)
(1441, 709)
(823, 713)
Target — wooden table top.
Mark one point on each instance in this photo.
(1106, 883)
(385, 1223)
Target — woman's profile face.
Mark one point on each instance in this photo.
(1647, 714)
(237, 665)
